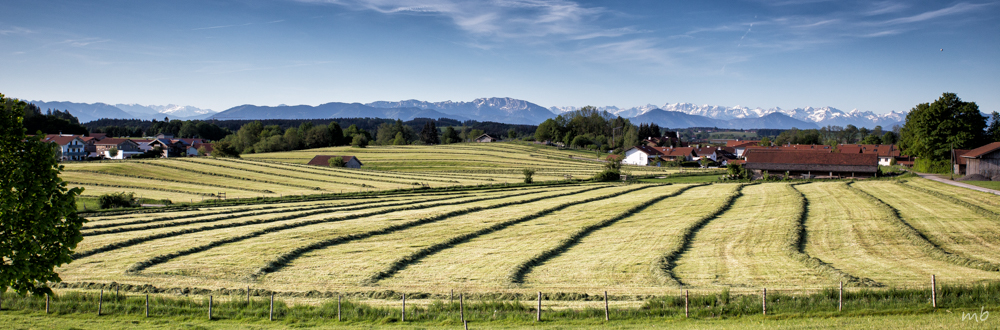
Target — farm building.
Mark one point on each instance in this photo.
(984, 160)
(640, 155)
(349, 161)
(71, 147)
(811, 164)
(643, 155)
(959, 161)
(126, 148)
(486, 138)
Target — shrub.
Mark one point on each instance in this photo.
(116, 200)
(528, 173)
(608, 175)
(932, 166)
(337, 161)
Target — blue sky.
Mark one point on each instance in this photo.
(874, 56)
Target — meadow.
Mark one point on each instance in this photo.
(644, 243)
(195, 179)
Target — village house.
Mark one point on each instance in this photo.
(71, 147)
(811, 164)
(984, 160)
(126, 148)
(349, 161)
(644, 155)
(192, 150)
(170, 149)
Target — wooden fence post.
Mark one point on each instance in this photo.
(100, 303)
(466, 323)
(451, 300)
(338, 308)
(933, 291)
(403, 317)
(270, 313)
(209, 308)
(147, 305)
(118, 286)
(686, 303)
(461, 305)
(840, 299)
(607, 314)
(764, 299)
(538, 318)
(46, 303)
(248, 296)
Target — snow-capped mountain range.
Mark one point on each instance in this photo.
(502, 110)
(86, 112)
(820, 116)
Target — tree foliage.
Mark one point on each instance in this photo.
(993, 132)
(39, 228)
(429, 134)
(932, 129)
(528, 174)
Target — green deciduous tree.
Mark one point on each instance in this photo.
(932, 129)
(993, 132)
(450, 135)
(39, 228)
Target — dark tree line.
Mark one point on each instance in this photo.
(51, 122)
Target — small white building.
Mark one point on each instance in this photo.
(640, 155)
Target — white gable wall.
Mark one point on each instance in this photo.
(635, 156)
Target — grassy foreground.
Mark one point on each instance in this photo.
(964, 306)
(943, 319)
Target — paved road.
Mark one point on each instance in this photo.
(938, 178)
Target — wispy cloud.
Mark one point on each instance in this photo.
(83, 42)
(15, 30)
(234, 25)
(506, 19)
(956, 9)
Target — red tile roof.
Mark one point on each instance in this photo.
(675, 152)
(738, 143)
(809, 158)
(979, 152)
(111, 141)
(60, 139)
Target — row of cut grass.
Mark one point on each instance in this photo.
(952, 227)
(495, 223)
(857, 236)
(264, 242)
(485, 261)
(746, 245)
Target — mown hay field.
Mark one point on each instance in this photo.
(194, 179)
(576, 239)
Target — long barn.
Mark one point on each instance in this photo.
(811, 164)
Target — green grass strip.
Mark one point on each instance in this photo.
(975, 208)
(138, 187)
